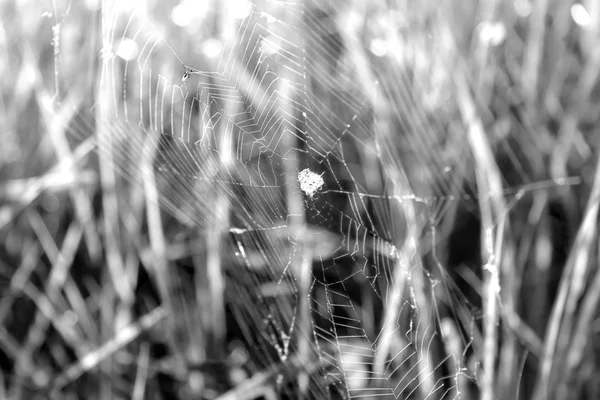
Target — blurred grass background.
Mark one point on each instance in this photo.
(506, 94)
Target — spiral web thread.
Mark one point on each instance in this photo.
(338, 285)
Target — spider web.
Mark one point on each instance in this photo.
(240, 129)
(340, 291)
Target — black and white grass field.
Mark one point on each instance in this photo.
(303, 199)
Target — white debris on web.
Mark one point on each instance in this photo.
(310, 182)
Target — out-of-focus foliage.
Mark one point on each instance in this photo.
(143, 256)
